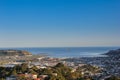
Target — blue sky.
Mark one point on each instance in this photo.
(59, 23)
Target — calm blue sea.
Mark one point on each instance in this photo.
(68, 51)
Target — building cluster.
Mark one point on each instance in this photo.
(104, 66)
(27, 76)
(109, 65)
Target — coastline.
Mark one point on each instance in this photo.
(107, 65)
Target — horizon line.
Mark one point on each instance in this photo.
(58, 46)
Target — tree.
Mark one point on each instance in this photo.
(24, 67)
(32, 71)
(59, 65)
(14, 72)
(34, 68)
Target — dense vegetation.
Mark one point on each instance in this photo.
(63, 72)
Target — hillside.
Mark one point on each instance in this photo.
(113, 52)
(14, 52)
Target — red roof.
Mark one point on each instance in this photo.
(37, 79)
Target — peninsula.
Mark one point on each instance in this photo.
(14, 53)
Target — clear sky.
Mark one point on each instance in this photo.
(59, 23)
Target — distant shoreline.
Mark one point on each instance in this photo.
(68, 51)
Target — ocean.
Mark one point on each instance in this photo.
(62, 52)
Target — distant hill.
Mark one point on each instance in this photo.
(14, 52)
(113, 52)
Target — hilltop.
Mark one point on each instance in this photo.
(113, 52)
(14, 52)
